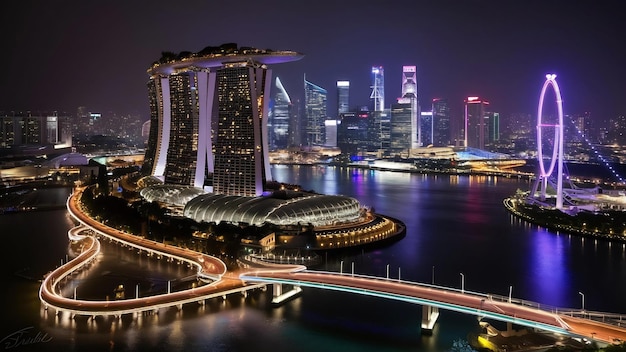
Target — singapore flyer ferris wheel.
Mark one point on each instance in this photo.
(556, 159)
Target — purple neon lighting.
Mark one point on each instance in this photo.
(550, 81)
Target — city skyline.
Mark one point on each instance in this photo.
(81, 54)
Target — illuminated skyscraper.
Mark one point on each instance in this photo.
(343, 97)
(378, 88)
(315, 112)
(401, 131)
(355, 134)
(409, 96)
(441, 123)
(492, 119)
(208, 115)
(426, 128)
(476, 126)
(41, 128)
(280, 118)
(7, 130)
(52, 129)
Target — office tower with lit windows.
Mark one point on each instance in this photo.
(476, 127)
(330, 132)
(41, 128)
(32, 128)
(378, 88)
(208, 113)
(355, 134)
(52, 129)
(426, 128)
(401, 131)
(315, 111)
(297, 130)
(441, 123)
(409, 96)
(343, 97)
(381, 129)
(492, 119)
(278, 125)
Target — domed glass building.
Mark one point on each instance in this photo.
(299, 208)
(299, 219)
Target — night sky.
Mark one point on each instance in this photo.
(58, 55)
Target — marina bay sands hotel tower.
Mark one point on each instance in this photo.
(208, 118)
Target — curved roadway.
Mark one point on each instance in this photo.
(209, 267)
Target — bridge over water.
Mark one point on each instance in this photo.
(288, 280)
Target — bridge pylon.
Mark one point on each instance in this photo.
(429, 318)
(279, 296)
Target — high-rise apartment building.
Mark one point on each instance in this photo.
(343, 97)
(221, 89)
(316, 112)
(378, 88)
(278, 125)
(476, 125)
(441, 123)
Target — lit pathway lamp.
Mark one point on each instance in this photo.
(462, 283)
(583, 302)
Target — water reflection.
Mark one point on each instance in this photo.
(454, 224)
(550, 274)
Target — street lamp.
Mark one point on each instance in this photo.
(387, 271)
(433, 280)
(583, 297)
(462, 283)
(75, 291)
(341, 267)
(510, 292)
(352, 268)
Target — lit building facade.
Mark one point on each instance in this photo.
(426, 128)
(441, 123)
(493, 127)
(410, 96)
(26, 128)
(401, 130)
(280, 117)
(378, 88)
(343, 97)
(381, 128)
(353, 136)
(208, 119)
(330, 131)
(315, 111)
(476, 125)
